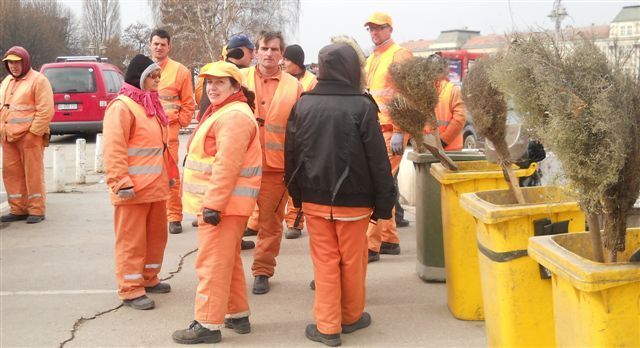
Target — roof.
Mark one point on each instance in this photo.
(628, 14)
(485, 41)
(417, 45)
(592, 32)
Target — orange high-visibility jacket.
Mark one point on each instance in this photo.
(27, 106)
(308, 81)
(134, 152)
(176, 92)
(229, 180)
(275, 121)
(451, 115)
(378, 79)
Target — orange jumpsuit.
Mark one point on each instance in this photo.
(275, 98)
(222, 172)
(135, 156)
(451, 115)
(25, 113)
(382, 90)
(176, 95)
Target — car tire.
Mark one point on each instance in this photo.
(470, 142)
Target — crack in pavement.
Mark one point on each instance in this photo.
(82, 320)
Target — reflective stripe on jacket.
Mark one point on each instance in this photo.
(228, 181)
(172, 94)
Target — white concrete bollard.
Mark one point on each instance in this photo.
(98, 165)
(58, 168)
(81, 161)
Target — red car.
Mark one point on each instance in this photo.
(82, 88)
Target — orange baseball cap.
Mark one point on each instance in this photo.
(379, 18)
(221, 69)
(12, 57)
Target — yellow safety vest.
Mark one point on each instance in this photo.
(168, 91)
(378, 82)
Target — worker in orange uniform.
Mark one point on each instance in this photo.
(25, 113)
(346, 181)
(139, 172)
(276, 93)
(450, 110)
(293, 60)
(383, 236)
(221, 183)
(176, 94)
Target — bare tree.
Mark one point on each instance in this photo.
(136, 36)
(101, 22)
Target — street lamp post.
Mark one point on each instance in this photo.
(557, 15)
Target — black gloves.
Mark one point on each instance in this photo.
(210, 216)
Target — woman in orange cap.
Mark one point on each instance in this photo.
(222, 175)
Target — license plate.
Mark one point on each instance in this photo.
(67, 106)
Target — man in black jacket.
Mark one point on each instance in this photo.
(339, 173)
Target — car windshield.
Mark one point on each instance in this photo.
(71, 80)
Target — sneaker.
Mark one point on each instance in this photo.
(373, 256)
(402, 223)
(194, 223)
(261, 285)
(196, 333)
(248, 232)
(160, 288)
(239, 325)
(142, 303)
(12, 217)
(247, 244)
(313, 334)
(364, 321)
(175, 227)
(293, 233)
(312, 285)
(34, 219)
(390, 248)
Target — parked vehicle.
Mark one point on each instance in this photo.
(82, 88)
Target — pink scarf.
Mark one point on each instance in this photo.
(148, 99)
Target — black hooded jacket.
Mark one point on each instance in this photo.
(335, 153)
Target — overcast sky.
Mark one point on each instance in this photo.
(416, 19)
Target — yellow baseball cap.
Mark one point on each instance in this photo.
(221, 69)
(379, 18)
(224, 52)
(12, 57)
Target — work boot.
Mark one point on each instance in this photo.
(261, 285)
(390, 248)
(142, 303)
(12, 217)
(175, 227)
(312, 285)
(194, 223)
(402, 223)
(196, 333)
(364, 321)
(247, 244)
(248, 232)
(373, 256)
(34, 219)
(313, 334)
(239, 325)
(160, 288)
(635, 257)
(293, 233)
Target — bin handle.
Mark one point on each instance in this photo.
(503, 256)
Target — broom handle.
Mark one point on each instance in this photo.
(596, 238)
(514, 185)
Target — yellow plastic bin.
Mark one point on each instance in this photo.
(464, 296)
(517, 300)
(594, 304)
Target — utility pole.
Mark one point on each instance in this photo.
(557, 15)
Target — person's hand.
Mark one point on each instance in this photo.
(126, 193)
(210, 216)
(397, 143)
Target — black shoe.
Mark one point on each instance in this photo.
(175, 227)
(402, 223)
(312, 285)
(390, 248)
(142, 302)
(12, 217)
(635, 257)
(34, 219)
(261, 285)
(194, 223)
(248, 232)
(160, 288)
(364, 321)
(247, 244)
(239, 325)
(313, 334)
(196, 333)
(293, 233)
(373, 256)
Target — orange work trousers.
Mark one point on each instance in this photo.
(385, 230)
(222, 290)
(174, 203)
(141, 236)
(272, 201)
(339, 254)
(23, 174)
(253, 222)
(292, 215)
